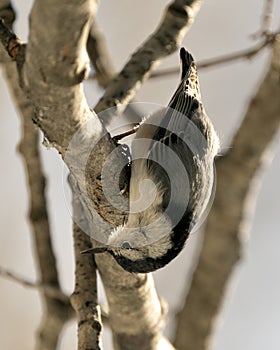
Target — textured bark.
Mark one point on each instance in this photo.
(235, 196)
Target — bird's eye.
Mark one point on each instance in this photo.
(126, 245)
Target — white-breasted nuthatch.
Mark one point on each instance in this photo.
(172, 175)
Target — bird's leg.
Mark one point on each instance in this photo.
(127, 133)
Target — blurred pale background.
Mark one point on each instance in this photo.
(250, 316)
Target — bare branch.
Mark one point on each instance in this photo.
(84, 297)
(178, 18)
(226, 222)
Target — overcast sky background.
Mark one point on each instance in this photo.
(250, 317)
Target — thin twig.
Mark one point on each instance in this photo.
(232, 57)
(49, 290)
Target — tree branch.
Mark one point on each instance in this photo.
(84, 297)
(178, 18)
(235, 196)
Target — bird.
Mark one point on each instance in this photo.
(172, 179)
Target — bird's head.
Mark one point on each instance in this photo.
(139, 249)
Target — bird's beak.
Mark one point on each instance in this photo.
(95, 250)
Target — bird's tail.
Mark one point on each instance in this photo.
(189, 76)
(186, 62)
